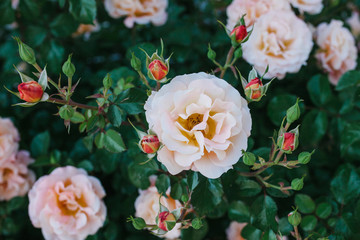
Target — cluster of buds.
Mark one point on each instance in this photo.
(253, 87)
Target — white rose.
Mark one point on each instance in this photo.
(337, 53)
(147, 207)
(354, 22)
(280, 40)
(9, 138)
(309, 6)
(203, 123)
(138, 11)
(253, 10)
(233, 232)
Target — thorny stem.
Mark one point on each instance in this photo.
(145, 81)
(266, 184)
(71, 103)
(228, 59)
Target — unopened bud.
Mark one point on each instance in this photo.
(253, 90)
(150, 144)
(249, 158)
(297, 184)
(294, 218)
(196, 223)
(211, 54)
(135, 62)
(26, 53)
(139, 223)
(68, 68)
(239, 33)
(166, 221)
(158, 70)
(305, 157)
(30, 91)
(293, 113)
(288, 142)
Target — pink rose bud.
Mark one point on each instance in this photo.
(240, 33)
(167, 221)
(150, 144)
(30, 91)
(158, 69)
(289, 142)
(254, 85)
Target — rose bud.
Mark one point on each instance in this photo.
(294, 218)
(288, 142)
(30, 91)
(158, 69)
(253, 90)
(239, 33)
(166, 221)
(150, 144)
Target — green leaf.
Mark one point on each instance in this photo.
(77, 118)
(115, 115)
(263, 212)
(113, 141)
(247, 188)
(323, 210)
(350, 141)
(35, 35)
(7, 13)
(238, 211)
(192, 179)
(207, 195)
(99, 140)
(278, 106)
(319, 90)
(308, 223)
(83, 10)
(304, 203)
(347, 80)
(193, 234)
(63, 25)
(40, 144)
(139, 173)
(269, 235)
(176, 191)
(162, 183)
(250, 232)
(314, 127)
(346, 184)
(87, 165)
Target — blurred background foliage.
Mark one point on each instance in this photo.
(330, 121)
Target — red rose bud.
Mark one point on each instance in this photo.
(30, 91)
(150, 144)
(240, 33)
(166, 221)
(289, 142)
(158, 69)
(253, 89)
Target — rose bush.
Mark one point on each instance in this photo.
(169, 105)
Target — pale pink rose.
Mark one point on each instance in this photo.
(253, 10)
(203, 123)
(138, 11)
(15, 4)
(147, 207)
(280, 40)
(9, 138)
(233, 232)
(354, 22)
(15, 177)
(309, 6)
(86, 30)
(67, 204)
(337, 53)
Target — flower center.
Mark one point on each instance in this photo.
(193, 120)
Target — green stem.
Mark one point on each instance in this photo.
(297, 235)
(69, 89)
(278, 157)
(144, 80)
(71, 103)
(266, 184)
(228, 59)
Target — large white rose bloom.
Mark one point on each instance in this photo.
(309, 6)
(253, 10)
(138, 11)
(280, 40)
(203, 123)
(338, 52)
